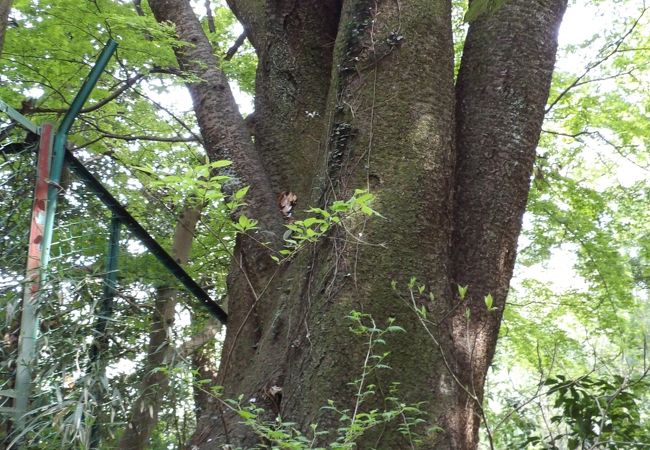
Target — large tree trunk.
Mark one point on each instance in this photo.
(360, 94)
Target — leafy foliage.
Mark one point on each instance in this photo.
(598, 412)
(355, 421)
(311, 229)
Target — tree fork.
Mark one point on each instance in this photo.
(386, 121)
(222, 127)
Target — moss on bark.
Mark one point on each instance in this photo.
(380, 76)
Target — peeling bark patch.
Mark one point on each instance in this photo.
(360, 21)
(340, 138)
(286, 201)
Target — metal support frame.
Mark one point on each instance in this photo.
(145, 238)
(110, 277)
(22, 120)
(37, 268)
(61, 138)
(29, 315)
(100, 344)
(51, 157)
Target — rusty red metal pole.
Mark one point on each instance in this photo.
(29, 317)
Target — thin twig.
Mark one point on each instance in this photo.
(578, 81)
(129, 137)
(127, 84)
(233, 49)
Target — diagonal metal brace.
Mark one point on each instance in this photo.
(22, 120)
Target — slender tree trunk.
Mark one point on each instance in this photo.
(144, 411)
(222, 126)
(205, 362)
(501, 92)
(208, 12)
(5, 8)
(360, 94)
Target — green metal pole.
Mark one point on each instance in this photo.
(97, 360)
(28, 356)
(61, 138)
(108, 294)
(110, 280)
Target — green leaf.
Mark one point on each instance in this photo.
(247, 415)
(412, 282)
(221, 163)
(489, 301)
(147, 170)
(241, 193)
(308, 222)
(244, 222)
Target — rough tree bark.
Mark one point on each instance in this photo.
(361, 94)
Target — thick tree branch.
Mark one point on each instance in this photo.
(207, 333)
(221, 124)
(501, 93)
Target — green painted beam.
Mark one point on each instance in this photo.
(100, 344)
(61, 138)
(32, 286)
(22, 120)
